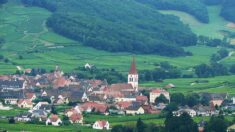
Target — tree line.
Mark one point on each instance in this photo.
(193, 7)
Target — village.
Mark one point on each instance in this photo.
(41, 93)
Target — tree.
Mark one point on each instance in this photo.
(192, 99)
(140, 125)
(20, 57)
(53, 110)
(11, 121)
(178, 98)
(6, 60)
(216, 124)
(161, 99)
(232, 69)
(171, 107)
(223, 53)
(203, 71)
(205, 100)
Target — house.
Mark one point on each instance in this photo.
(150, 109)
(128, 98)
(15, 85)
(79, 96)
(205, 110)
(39, 104)
(101, 125)
(142, 99)
(25, 103)
(88, 66)
(191, 112)
(39, 114)
(69, 112)
(76, 118)
(134, 109)
(157, 92)
(161, 106)
(123, 105)
(31, 96)
(23, 117)
(53, 120)
(170, 85)
(217, 102)
(11, 97)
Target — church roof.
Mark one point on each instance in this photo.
(133, 67)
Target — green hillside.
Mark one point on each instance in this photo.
(118, 26)
(218, 27)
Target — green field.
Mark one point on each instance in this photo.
(212, 29)
(28, 36)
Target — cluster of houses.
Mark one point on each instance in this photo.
(90, 96)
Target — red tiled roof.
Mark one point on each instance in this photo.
(124, 104)
(159, 90)
(29, 95)
(141, 98)
(29, 102)
(133, 67)
(53, 118)
(98, 107)
(102, 123)
(75, 117)
(120, 86)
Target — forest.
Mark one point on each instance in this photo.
(115, 26)
(193, 7)
(228, 10)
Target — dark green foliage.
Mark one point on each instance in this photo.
(184, 123)
(1, 42)
(212, 2)
(36, 71)
(194, 7)
(140, 125)
(120, 26)
(1, 57)
(178, 98)
(3, 2)
(232, 69)
(216, 124)
(11, 121)
(171, 107)
(228, 10)
(20, 57)
(161, 99)
(203, 40)
(111, 76)
(223, 53)
(192, 99)
(205, 100)
(40, 3)
(42, 100)
(215, 69)
(165, 71)
(66, 121)
(6, 60)
(53, 110)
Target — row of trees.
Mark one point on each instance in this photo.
(194, 7)
(222, 53)
(164, 70)
(204, 40)
(111, 75)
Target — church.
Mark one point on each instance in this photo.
(125, 89)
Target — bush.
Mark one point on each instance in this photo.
(11, 121)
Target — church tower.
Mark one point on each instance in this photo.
(133, 76)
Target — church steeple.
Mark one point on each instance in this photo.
(133, 67)
(133, 76)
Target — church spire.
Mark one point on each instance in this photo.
(133, 67)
